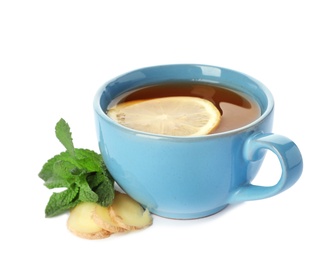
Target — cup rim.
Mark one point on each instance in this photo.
(269, 106)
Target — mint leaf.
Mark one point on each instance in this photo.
(85, 193)
(88, 159)
(62, 175)
(62, 131)
(103, 187)
(84, 159)
(61, 202)
(48, 169)
(81, 171)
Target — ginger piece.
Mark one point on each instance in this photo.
(81, 223)
(93, 221)
(128, 213)
(102, 217)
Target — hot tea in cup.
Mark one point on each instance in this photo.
(191, 175)
(235, 109)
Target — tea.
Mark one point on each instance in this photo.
(237, 109)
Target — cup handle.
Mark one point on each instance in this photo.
(289, 156)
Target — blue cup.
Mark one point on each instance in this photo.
(193, 177)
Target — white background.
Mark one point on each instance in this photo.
(54, 55)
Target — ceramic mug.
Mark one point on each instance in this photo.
(192, 177)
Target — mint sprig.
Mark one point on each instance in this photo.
(81, 171)
(62, 132)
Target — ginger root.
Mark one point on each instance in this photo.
(81, 223)
(128, 213)
(92, 221)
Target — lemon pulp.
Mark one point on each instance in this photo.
(176, 116)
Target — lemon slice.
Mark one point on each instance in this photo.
(176, 116)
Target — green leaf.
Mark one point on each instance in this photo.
(62, 175)
(85, 193)
(62, 201)
(105, 193)
(89, 160)
(103, 187)
(62, 131)
(81, 171)
(47, 169)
